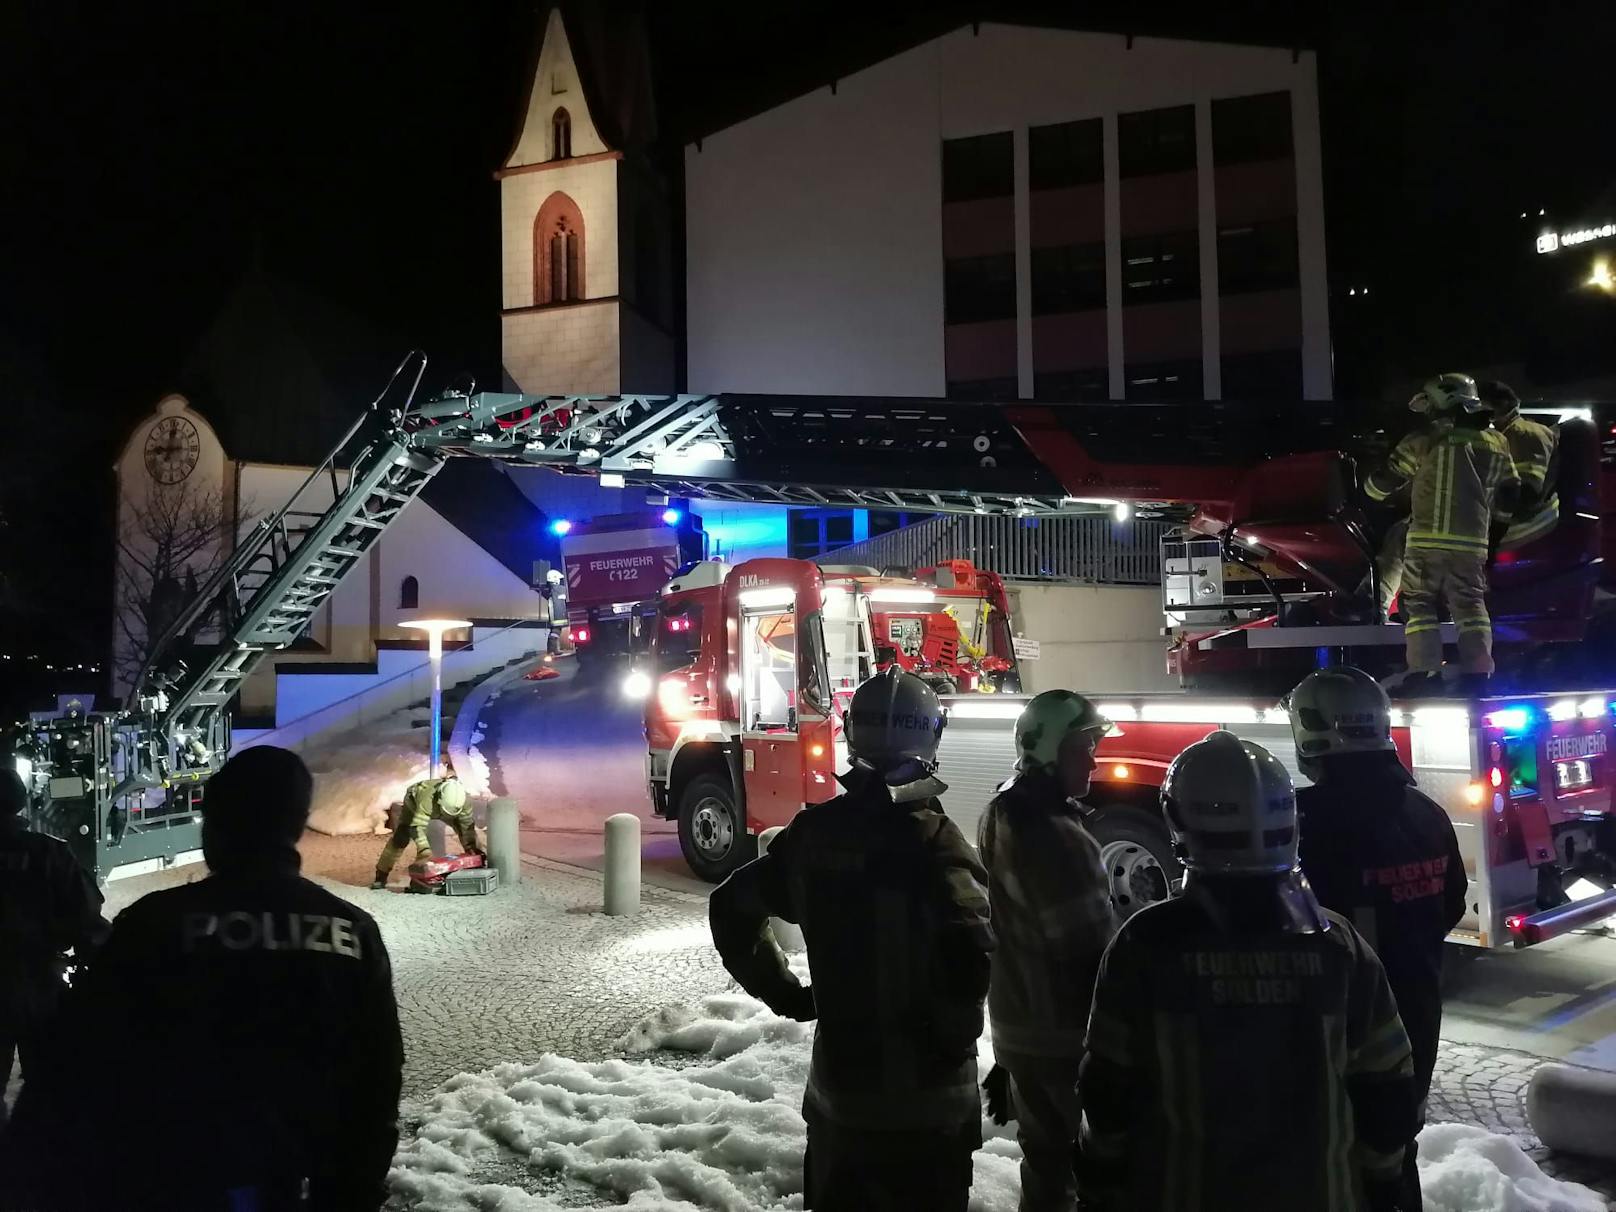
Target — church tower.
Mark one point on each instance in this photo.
(585, 229)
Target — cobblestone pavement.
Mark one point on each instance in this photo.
(539, 968)
(1487, 1087)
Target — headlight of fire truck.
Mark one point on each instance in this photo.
(637, 685)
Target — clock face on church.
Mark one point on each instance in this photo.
(172, 448)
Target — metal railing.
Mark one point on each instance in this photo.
(1089, 550)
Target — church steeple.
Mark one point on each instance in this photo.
(559, 123)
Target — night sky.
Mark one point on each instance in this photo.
(153, 150)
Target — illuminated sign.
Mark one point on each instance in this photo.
(1550, 241)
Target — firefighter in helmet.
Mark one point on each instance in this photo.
(442, 799)
(1244, 1050)
(1052, 919)
(891, 903)
(1462, 480)
(1378, 852)
(1533, 447)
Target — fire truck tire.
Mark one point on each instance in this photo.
(712, 828)
(1137, 856)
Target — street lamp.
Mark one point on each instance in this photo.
(434, 629)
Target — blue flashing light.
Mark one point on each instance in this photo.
(560, 526)
(1510, 719)
(671, 516)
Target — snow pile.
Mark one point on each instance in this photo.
(359, 774)
(724, 1132)
(1466, 1169)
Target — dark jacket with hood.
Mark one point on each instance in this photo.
(48, 906)
(247, 1018)
(892, 907)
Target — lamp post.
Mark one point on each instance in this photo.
(434, 629)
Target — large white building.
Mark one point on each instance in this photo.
(1002, 212)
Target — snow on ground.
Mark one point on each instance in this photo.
(358, 774)
(1463, 1169)
(712, 1121)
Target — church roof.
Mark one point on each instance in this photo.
(282, 372)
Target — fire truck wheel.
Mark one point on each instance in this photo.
(1137, 857)
(712, 831)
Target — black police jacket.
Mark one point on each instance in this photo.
(48, 906)
(249, 1020)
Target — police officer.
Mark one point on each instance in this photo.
(890, 899)
(1462, 478)
(1378, 852)
(1052, 919)
(48, 907)
(1244, 1050)
(247, 1018)
(442, 799)
(1533, 447)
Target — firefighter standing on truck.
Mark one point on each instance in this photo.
(48, 907)
(1533, 447)
(1378, 852)
(890, 899)
(443, 799)
(238, 1039)
(1244, 1050)
(1463, 479)
(1052, 919)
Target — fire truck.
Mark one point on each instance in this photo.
(754, 662)
(614, 566)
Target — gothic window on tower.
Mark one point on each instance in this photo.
(560, 135)
(558, 251)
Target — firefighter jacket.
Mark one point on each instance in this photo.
(1052, 917)
(1236, 1067)
(1461, 479)
(1386, 858)
(48, 906)
(250, 1015)
(1533, 446)
(892, 907)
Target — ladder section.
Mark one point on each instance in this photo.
(285, 572)
(933, 456)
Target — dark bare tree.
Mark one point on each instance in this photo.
(167, 547)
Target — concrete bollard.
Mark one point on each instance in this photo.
(505, 840)
(622, 864)
(788, 936)
(1573, 1110)
(437, 835)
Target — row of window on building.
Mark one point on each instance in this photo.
(1160, 249)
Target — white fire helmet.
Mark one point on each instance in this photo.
(894, 724)
(1339, 710)
(1231, 808)
(451, 794)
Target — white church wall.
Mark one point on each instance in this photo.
(456, 577)
(143, 501)
(563, 349)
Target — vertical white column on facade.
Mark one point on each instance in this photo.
(1113, 257)
(1313, 273)
(1023, 222)
(1206, 209)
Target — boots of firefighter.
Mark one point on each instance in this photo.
(1421, 684)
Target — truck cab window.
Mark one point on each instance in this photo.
(769, 671)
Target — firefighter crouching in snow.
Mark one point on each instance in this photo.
(1052, 919)
(1462, 480)
(248, 1017)
(891, 903)
(429, 800)
(1379, 853)
(1244, 1050)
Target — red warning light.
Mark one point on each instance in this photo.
(1496, 777)
(580, 635)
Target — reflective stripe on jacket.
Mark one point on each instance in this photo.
(1461, 480)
